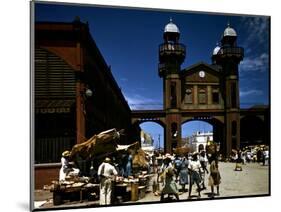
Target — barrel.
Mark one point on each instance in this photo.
(134, 191)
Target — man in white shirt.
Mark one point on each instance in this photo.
(203, 161)
(107, 173)
(194, 169)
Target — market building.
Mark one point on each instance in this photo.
(76, 95)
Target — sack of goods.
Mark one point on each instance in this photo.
(211, 147)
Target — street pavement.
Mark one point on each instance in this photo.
(252, 180)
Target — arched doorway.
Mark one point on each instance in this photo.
(196, 133)
(253, 131)
(152, 133)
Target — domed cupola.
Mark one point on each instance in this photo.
(229, 36)
(229, 31)
(171, 32)
(216, 49)
(215, 53)
(171, 27)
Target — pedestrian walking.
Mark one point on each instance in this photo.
(177, 163)
(183, 173)
(214, 178)
(266, 156)
(194, 170)
(167, 162)
(170, 187)
(107, 173)
(239, 161)
(203, 161)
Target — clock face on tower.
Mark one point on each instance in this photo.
(202, 74)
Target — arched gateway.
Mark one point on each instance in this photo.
(208, 92)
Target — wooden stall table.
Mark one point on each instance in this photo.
(121, 192)
(60, 191)
(129, 191)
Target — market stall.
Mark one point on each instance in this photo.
(93, 151)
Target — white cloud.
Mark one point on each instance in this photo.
(124, 79)
(258, 63)
(251, 92)
(255, 42)
(138, 102)
(257, 30)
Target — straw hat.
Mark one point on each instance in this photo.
(167, 155)
(66, 153)
(107, 160)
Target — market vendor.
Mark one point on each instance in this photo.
(64, 170)
(107, 173)
(67, 169)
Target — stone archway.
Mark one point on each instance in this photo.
(218, 129)
(158, 122)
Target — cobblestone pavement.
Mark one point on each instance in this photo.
(253, 180)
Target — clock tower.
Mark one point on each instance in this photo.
(171, 56)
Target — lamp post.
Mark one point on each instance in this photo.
(88, 92)
(84, 94)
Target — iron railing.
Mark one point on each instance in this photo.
(172, 48)
(232, 51)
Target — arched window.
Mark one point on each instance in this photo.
(174, 130)
(215, 95)
(202, 95)
(188, 98)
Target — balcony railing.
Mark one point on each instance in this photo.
(162, 66)
(172, 49)
(232, 51)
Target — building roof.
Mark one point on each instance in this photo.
(200, 64)
(171, 27)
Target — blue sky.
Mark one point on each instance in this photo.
(129, 39)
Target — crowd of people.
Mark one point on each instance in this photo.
(175, 174)
(179, 174)
(259, 154)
